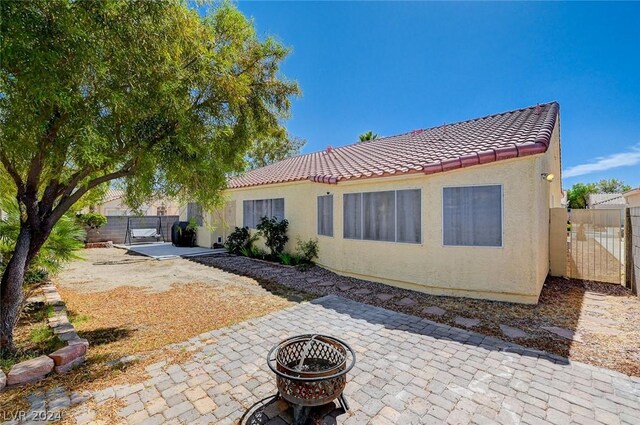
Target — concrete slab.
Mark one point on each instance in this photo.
(166, 250)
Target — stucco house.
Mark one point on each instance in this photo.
(112, 203)
(606, 201)
(460, 209)
(632, 197)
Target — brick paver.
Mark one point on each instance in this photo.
(409, 370)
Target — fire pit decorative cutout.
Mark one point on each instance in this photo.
(311, 370)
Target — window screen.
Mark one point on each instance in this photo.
(352, 216)
(472, 215)
(408, 216)
(379, 216)
(325, 215)
(194, 211)
(392, 216)
(254, 210)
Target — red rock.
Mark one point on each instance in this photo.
(30, 371)
(71, 365)
(68, 354)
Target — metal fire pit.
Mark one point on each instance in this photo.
(311, 370)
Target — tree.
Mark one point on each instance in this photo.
(273, 149)
(578, 195)
(611, 186)
(147, 93)
(369, 135)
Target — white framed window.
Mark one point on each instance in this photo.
(392, 216)
(325, 215)
(254, 210)
(472, 215)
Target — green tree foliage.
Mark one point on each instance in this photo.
(611, 186)
(147, 93)
(578, 195)
(369, 135)
(62, 245)
(273, 149)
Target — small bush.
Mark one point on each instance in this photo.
(238, 239)
(286, 258)
(258, 253)
(275, 233)
(307, 250)
(92, 220)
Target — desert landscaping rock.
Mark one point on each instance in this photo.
(344, 287)
(3, 380)
(434, 311)
(512, 332)
(64, 368)
(563, 333)
(384, 297)
(408, 302)
(466, 322)
(326, 284)
(30, 370)
(68, 354)
(362, 292)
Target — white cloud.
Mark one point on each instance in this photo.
(603, 163)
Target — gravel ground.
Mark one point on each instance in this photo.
(604, 317)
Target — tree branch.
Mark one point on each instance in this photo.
(12, 172)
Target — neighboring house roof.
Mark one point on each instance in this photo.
(492, 138)
(631, 192)
(605, 199)
(112, 195)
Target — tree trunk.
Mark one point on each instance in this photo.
(11, 293)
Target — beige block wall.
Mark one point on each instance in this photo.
(558, 242)
(513, 272)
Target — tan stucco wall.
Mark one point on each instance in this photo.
(558, 242)
(633, 199)
(514, 272)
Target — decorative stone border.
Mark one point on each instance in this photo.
(107, 244)
(60, 361)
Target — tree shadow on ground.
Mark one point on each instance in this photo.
(103, 336)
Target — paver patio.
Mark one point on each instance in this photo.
(409, 371)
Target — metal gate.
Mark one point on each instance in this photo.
(595, 245)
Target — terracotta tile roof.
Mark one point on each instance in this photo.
(112, 194)
(496, 137)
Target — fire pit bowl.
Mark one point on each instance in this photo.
(311, 370)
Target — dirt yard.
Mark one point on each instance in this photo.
(129, 305)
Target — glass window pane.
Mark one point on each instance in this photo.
(277, 208)
(247, 214)
(325, 215)
(379, 216)
(352, 216)
(472, 215)
(409, 216)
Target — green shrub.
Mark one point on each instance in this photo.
(307, 250)
(275, 234)
(286, 258)
(92, 220)
(238, 239)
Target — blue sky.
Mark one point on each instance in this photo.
(392, 67)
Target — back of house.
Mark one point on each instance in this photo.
(461, 209)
